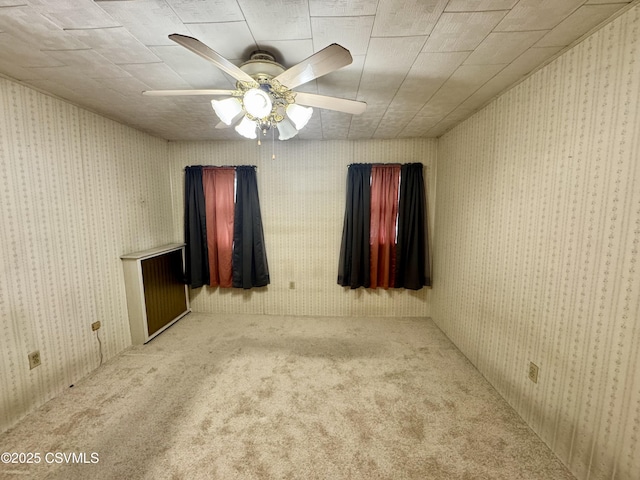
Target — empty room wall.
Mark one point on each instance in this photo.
(302, 196)
(78, 191)
(536, 249)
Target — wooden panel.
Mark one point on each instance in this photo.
(163, 289)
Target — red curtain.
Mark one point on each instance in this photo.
(382, 235)
(218, 183)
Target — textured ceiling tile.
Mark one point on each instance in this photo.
(442, 127)
(351, 32)
(157, 76)
(456, 32)
(496, 85)
(365, 125)
(393, 122)
(313, 129)
(200, 122)
(576, 24)
(88, 92)
(116, 44)
(340, 8)
(412, 17)
(458, 115)
(289, 52)
(16, 52)
(502, 47)
(428, 73)
(232, 40)
(198, 73)
(335, 125)
(396, 75)
(98, 102)
(128, 87)
(460, 86)
(309, 87)
(537, 15)
(151, 21)
(74, 13)
(277, 19)
(530, 60)
(28, 26)
(89, 63)
(54, 87)
(419, 126)
(479, 5)
(23, 74)
(343, 83)
(207, 11)
(169, 120)
(386, 65)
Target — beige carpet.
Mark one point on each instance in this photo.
(260, 397)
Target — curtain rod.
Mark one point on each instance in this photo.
(255, 167)
(386, 164)
(377, 164)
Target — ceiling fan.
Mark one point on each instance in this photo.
(264, 96)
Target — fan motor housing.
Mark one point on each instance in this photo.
(262, 66)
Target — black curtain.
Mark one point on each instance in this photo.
(354, 266)
(250, 268)
(412, 254)
(195, 229)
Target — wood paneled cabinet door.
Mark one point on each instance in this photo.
(156, 294)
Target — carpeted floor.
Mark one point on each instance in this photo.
(261, 397)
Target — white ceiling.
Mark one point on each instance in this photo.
(422, 66)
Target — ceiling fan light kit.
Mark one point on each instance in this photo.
(264, 98)
(227, 110)
(299, 115)
(247, 128)
(257, 103)
(286, 130)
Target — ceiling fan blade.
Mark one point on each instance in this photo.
(199, 48)
(320, 63)
(177, 93)
(353, 107)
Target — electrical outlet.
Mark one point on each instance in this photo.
(533, 372)
(95, 326)
(34, 359)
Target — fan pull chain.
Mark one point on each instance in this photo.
(273, 144)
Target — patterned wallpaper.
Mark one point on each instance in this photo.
(77, 192)
(302, 196)
(537, 236)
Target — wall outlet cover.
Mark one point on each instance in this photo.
(34, 359)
